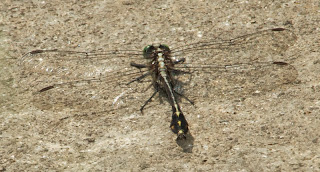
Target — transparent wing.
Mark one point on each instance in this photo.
(239, 67)
(214, 82)
(79, 80)
(260, 46)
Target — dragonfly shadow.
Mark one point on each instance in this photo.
(186, 143)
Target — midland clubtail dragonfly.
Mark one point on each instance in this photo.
(205, 71)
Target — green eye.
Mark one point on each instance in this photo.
(165, 47)
(148, 50)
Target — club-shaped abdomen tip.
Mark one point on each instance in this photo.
(179, 124)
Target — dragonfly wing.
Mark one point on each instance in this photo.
(240, 66)
(80, 81)
(238, 80)
(265, 45)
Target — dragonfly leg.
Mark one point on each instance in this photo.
(182, 60)
(139, 78)
(185, 97)
(179, 72)
(139, 66)
(149, 100)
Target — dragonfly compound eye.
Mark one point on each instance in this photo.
(148, 50)
(164, 47)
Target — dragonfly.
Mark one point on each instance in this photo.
(203, 71)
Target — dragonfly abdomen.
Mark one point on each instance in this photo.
(179, 124)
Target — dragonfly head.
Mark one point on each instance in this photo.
(150, 50)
